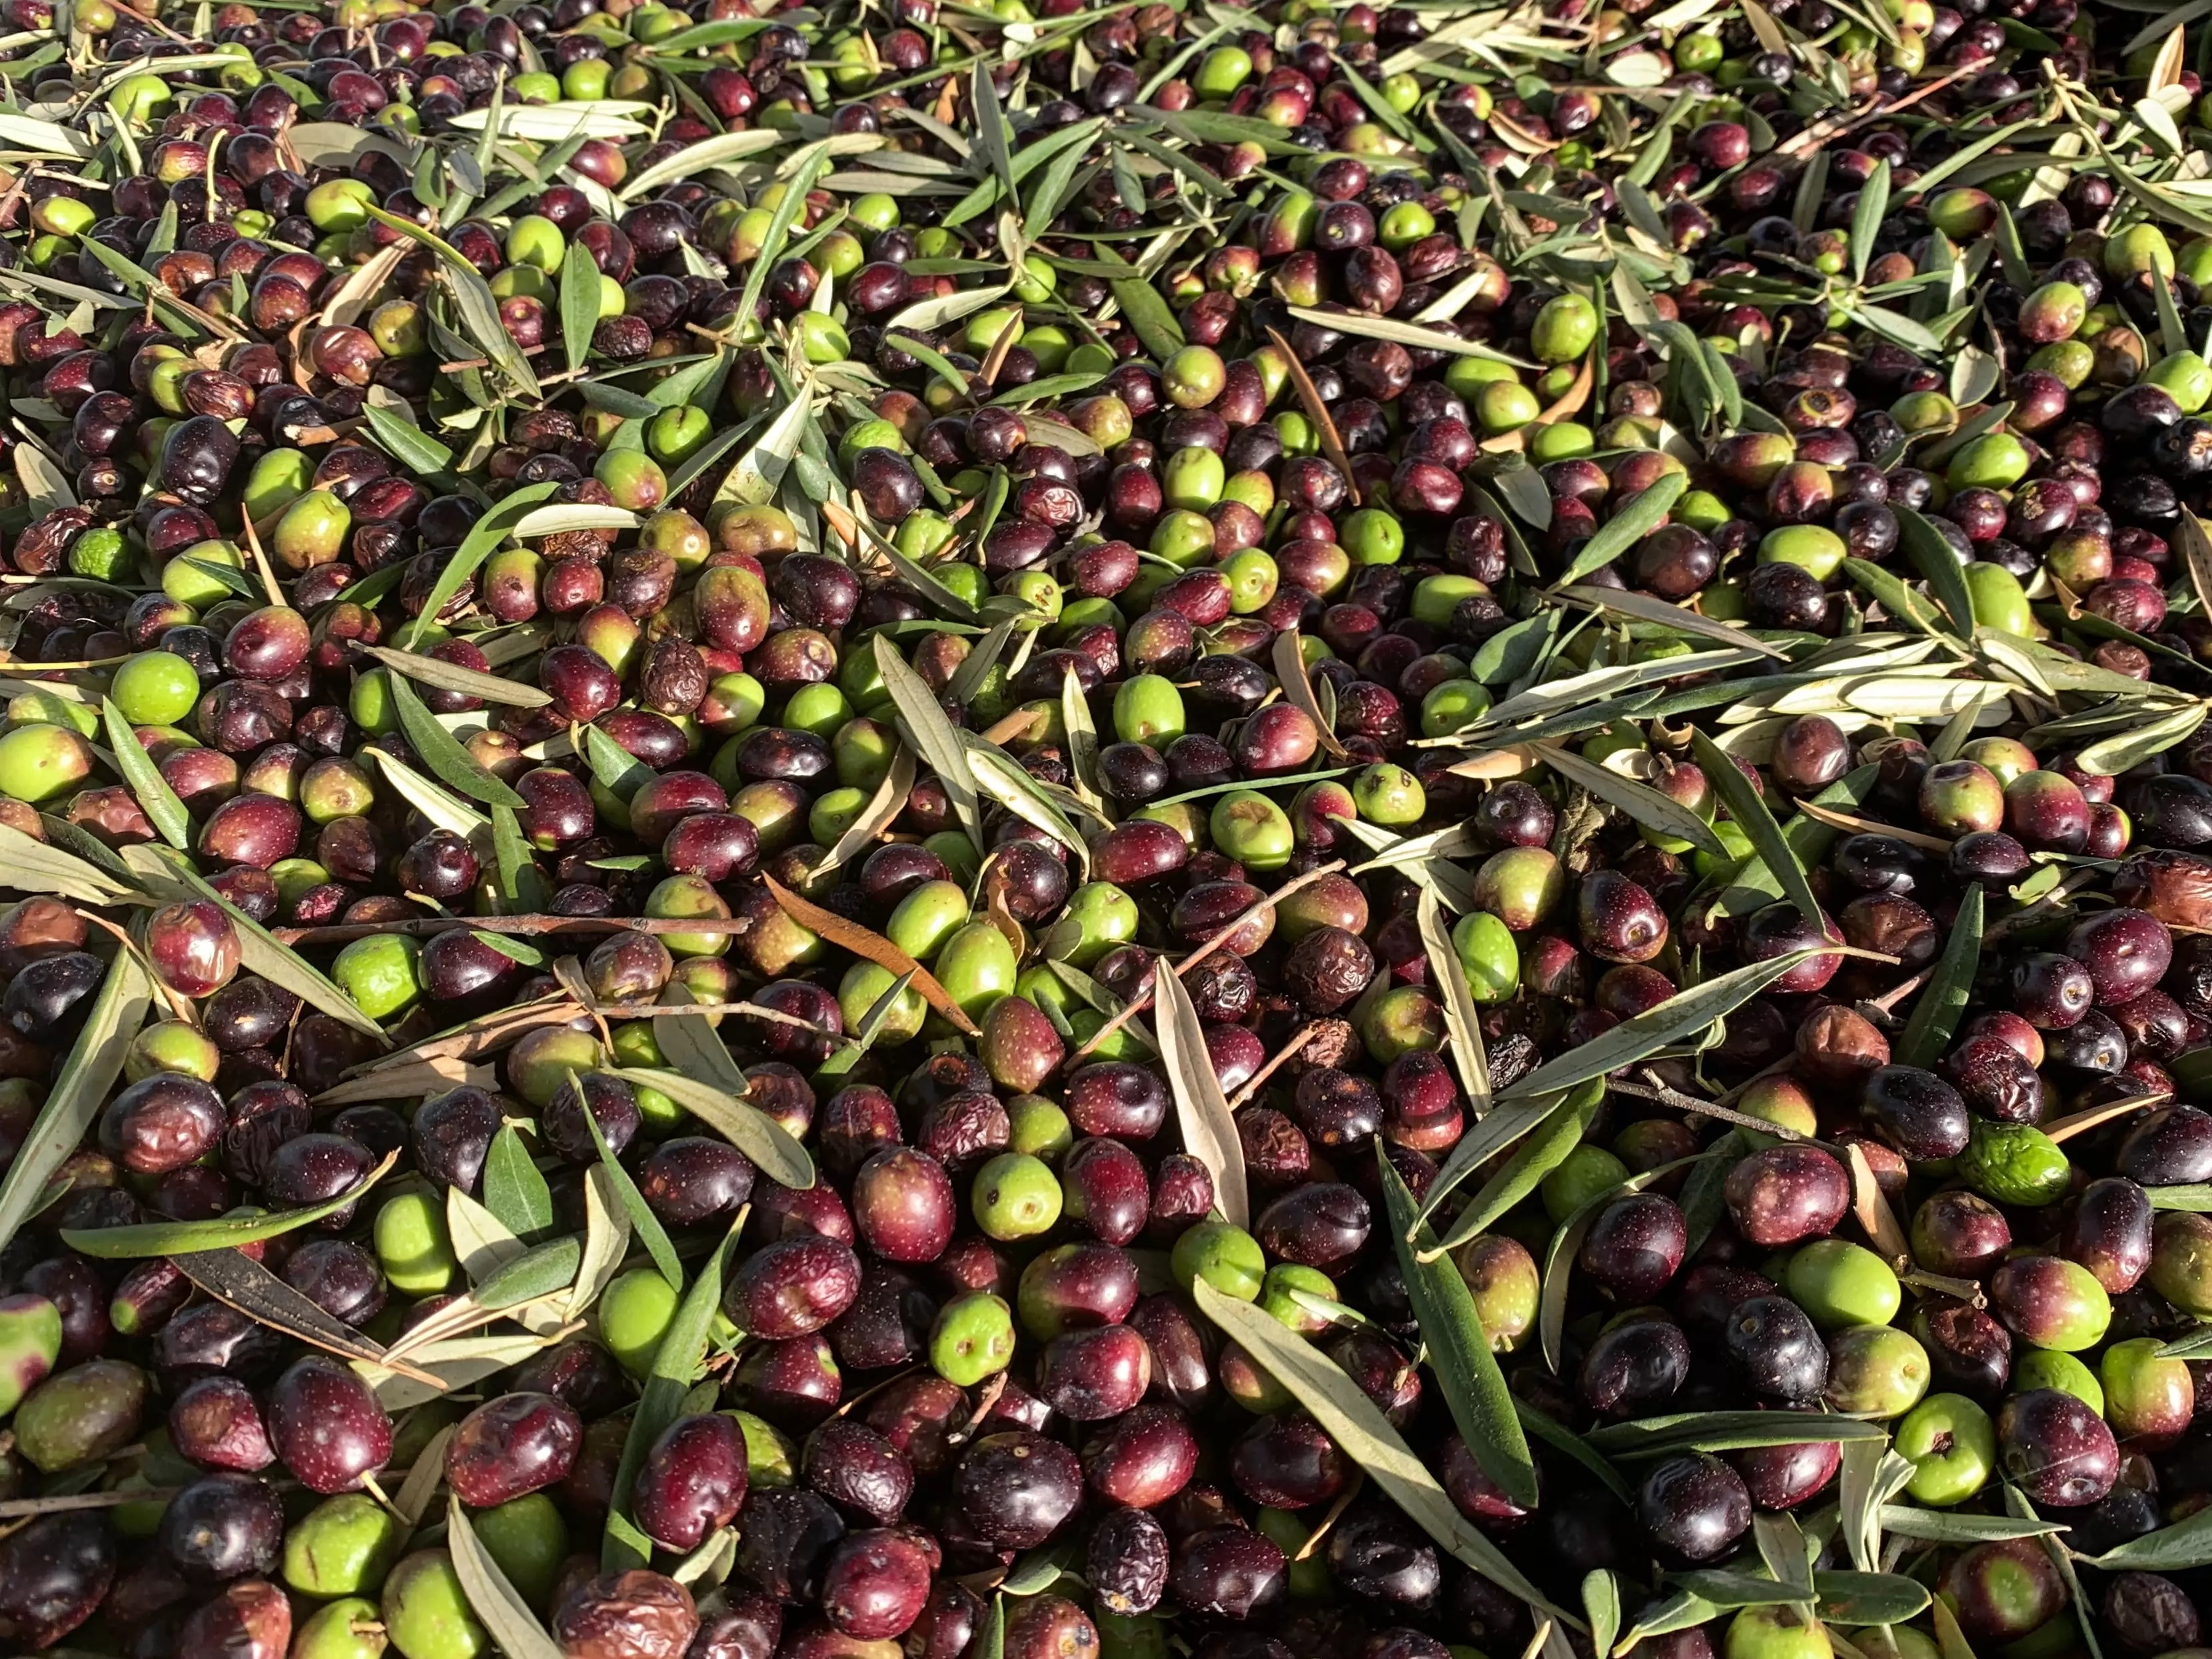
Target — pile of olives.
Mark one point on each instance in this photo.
(750, 752)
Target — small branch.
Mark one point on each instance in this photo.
(1281, 1057)
(1137, 1006)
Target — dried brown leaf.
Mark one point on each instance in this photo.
(1316, 410)
(873, 946)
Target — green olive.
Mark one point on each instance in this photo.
(343, 1546)
(426, 1612)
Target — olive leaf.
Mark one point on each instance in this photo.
(532, 1276)
(169, 876)
(2184, 1545)
(159, 802)
(1869, 1598)
(1209, 1130)
(483, 536)
(1715, 1432)
(452, 676)
(1950, 1527)
(1463, 1023)
(1682, 1015)
(1781, 1544)
(506, 1617)
(233, 1277)
(1886, 590)
(443, 808)
(1936, 1013)
(779, 229)
(30, 865)
(933, 736)
(675, 1365)
(1867, 217)
(880, 813)
(1323, 422)
(1506, 1123)
(443, 752)
(1728, 1590)
(1950, 1641)
(1009, 783)
(1630, 525)
(513, 1189)
(1556, 1435)
(1938, 567)
(1576, 1109)
(73, 1103)
(643, 1222)
(412, 447)
(473, 298)
(1644, 608)
(1341, 1407)
(1405, 334)
(752, 1131)
(1643, 805)
(179, 1238)
(521, 884)
(579, 304)
(1459, 1353)
(1146, 311)
(1871, 1475)
(1289, 658)
(2113, 756)
(606, 1242)
(1680, 1611)
(1748, 808)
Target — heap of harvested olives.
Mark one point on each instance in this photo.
(939, 831)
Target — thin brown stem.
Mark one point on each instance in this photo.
(1267, 902)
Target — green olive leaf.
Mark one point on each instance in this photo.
(483, 536)
(675, 1366)
(513, 1189)
(169, 875)
(412, 447)
(443, 752)
(1462, 1023)
(752, 1131)
(29, 865)
(579, 304)
(80, 1091)
(452, 676)
(1682, 1015)
(2184, 1545)
(506, 1617)
(1715, 1432)
(1869, 1598)
(1643, 515)
(1748, 808)
(1341, 1407)
(1681, 1611)
(226, 1232)
(1643, 804)
(643, 1223)
(159, 802)
(933, 736)
(1942, 1002)
(1459, 1349)
(1948, 1526)
(1209, 1132)
(1556, 1435)
(1568, 1119)
(1146, 311)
